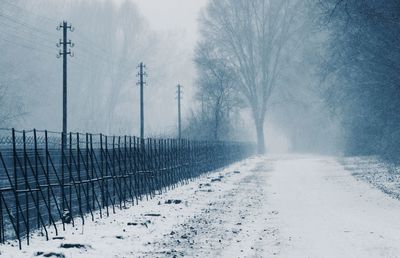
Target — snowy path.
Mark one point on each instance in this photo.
(325, 212)
(289, 206)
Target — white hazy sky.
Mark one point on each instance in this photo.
(178, 21)
(173, 16)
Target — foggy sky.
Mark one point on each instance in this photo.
(173, 15)
(176, 19)
(173, 23)
(172, 30)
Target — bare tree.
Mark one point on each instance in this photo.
(251, 37)
(215, 87)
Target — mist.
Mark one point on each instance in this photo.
(199, 128)
(111, 38)
(288, 94)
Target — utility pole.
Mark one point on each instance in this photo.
(141, 74)
(179, 112)
(64, 43)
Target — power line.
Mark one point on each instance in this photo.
(11, 18)
(95, 48)
(43, 36)
(22, 38)
(52, 20)
(29, 43)
(29, 47)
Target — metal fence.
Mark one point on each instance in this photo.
(45, 183)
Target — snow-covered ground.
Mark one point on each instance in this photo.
(383, 175)
(282, 206)
(325, 212)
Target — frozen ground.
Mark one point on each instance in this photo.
(289, 206)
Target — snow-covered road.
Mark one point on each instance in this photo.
(326, 212)
(287, 206)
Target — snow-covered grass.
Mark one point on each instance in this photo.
(382, 175)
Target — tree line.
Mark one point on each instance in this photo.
(360, 73)
(248, 58)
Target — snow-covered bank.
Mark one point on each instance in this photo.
(383, 175)
(215, 211)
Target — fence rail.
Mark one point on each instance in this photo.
(43, 182)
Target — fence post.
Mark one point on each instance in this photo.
(2, 237)
(119, 175)
(92, 172)
(102, 170)
(137, 181)
(47, 173)
(70, 174)
(27, 225)
(78, 158)
(36, 174)
(87, 175)
(131, 173)
(113, 169)
(125, 178)
(156, 167)
(107, 190)
(139, 161)
(152, 169)
(62, 177)
(16, 188)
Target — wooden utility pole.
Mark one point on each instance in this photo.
(64, 43)
(141, 83)
(179, 112)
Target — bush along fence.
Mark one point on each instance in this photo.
(49, 180)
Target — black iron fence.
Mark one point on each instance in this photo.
(45, 183)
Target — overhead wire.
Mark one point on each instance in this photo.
(43, 36)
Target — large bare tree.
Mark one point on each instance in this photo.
(251, 36)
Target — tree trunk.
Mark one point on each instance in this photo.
(216, 128)
(260, 136)
(216, 117)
